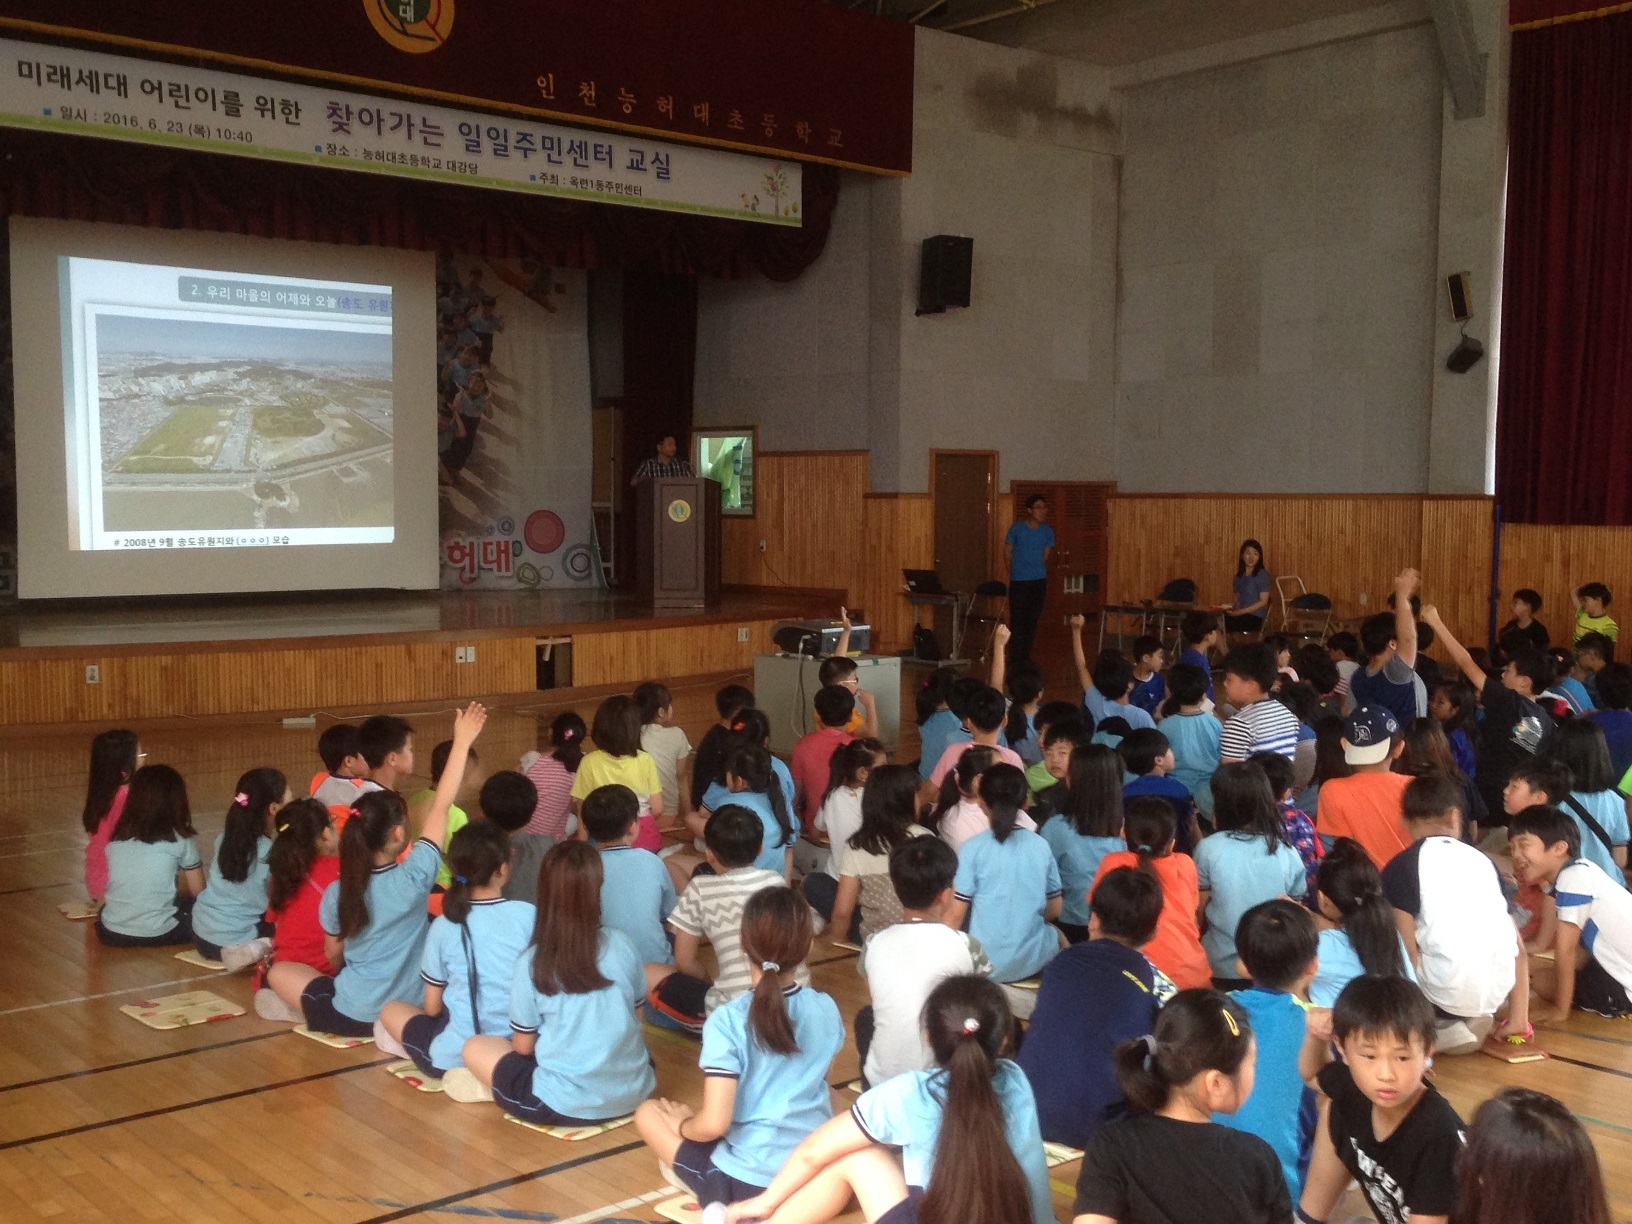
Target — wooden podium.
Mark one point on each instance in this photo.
(677, 541)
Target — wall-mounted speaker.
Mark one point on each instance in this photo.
(1461, 296)
(943, 273)
(1464, 356)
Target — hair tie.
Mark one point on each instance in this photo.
(353, 811)
(241, 799)
(971, 1026)
(1235, 1029)
(283, 828)
(770, 966)
(1152, 1047)
(459, 879)
(1141, 848)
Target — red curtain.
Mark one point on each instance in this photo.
(1564, 428)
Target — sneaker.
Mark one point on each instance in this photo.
(460, 1085)
(268, 1006)
(666, 1171)
(714, 1213)
(386, 1042)
(242, 956)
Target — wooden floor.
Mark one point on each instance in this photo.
(102, 1118)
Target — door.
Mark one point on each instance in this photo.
(964, 487)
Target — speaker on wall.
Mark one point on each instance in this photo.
(1465, 355)
(943, 273)
(1456, 287)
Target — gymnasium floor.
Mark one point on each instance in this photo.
(103, 1118)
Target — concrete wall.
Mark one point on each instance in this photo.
(1279, 225)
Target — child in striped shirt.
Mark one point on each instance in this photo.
(1260, 723)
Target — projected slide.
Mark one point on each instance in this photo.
(211, 409)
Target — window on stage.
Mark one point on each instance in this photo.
(727, 455)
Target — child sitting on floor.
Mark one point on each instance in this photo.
(1193, 733)
(865, 903)
(1296, 827)
(1149, 757)
(301, 865)
(765, 1058)
(708, 762)
(1176, 949)
(114, 758)
(837, 819)
(666, 744)
(637, 895)
(619, 760)
(151, 849)
(1086, 826)
(1364, 937)
(552, 775)
(228, 918)
(508, 799)
(345, 771)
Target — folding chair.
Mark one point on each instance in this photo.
(1304, 614)
(1168, 609)
(988, 608)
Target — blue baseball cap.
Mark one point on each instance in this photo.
(1368, 735)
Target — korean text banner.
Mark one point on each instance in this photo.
(92, 93)
(795, 78)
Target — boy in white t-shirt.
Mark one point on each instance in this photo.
(1592, 950)
(667, 745)
(904, 962)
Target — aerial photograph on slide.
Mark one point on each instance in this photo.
(209, 425)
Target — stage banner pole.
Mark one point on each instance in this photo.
(513, 416)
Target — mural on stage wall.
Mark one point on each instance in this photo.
(513, 426)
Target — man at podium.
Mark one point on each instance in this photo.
(663, 463)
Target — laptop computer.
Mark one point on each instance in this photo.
(923, 582)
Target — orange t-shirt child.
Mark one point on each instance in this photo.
(1177, 949)
(1369, 807)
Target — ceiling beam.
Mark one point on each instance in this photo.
(1459, 53)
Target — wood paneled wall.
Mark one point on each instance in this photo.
(630, 656)
(1345, 547)
(1555, 560)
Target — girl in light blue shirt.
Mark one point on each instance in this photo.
(1193, 733)
(965, 1131)
(1580, 746)
(229, 920)
(150, 851)
(1086, 828)
(1365, 940)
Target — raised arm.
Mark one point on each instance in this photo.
(1084, 676)
(1000, 639)
(1458, 652)
(843, 648)
(1405, 624)
(467, 725)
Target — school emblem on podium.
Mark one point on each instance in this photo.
(679, 510)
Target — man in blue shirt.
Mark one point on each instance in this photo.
(1026, 550)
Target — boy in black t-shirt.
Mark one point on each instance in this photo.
(1515, 726)
(1381, 1124)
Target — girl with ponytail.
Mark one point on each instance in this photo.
(114, 757)
(838, 818)
(301, 865)
(1009, 875)
(765, 1059)
(753, 784)
(373, 916)
(1148, 826)
(1168, 1160)
(957, 815)
(229, 922)
(553, 773)
(1365, 939)
(970, 1148)
(470, 956)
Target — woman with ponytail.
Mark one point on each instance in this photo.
(574, 1055)
(229, 923)
(373, 916)
(470, 956)
(970, 1149)
(1168, 1161)
(765, 1059)
(1149, 825)
(301, 865)
(1009, 876)
(1365, 939)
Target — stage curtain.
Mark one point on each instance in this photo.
(1564, 427)
(130, 184)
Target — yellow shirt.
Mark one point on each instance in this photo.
(638, 773)
(1585, 624)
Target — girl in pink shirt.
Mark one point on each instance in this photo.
(114, 756)
(553, 773)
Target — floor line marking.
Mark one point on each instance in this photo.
(110, 994)
(600, 1213)
(504, 1184)
(186, 1105)
(138, 1062)
(1591, 1066)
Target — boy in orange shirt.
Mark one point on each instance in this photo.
(1370, 805)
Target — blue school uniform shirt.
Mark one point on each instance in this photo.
(1617, 728)
(499, 931)
(637, 897)
(1093, 997)
(1078, 860)
(781, 1098)
(1240, 872)
(1608, 808)
(382, 960)
(906, 1112)
(1196, 740)
(592, 1061)
(1100, 708)
(773, 848)
(227, 911)
(1580, 700)
(1029, 749)
(1195, 658)
(141, 896)
(1148, 694)
(1027, 545)
(940, 731)
(1165, 786)
(1340, 965)
(1282, 1110)
(1006, 885)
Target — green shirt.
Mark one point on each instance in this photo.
(456, 821)
(1038, 778)
(1604, 624)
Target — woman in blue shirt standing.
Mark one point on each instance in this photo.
(1251, 591)
(1026, 550)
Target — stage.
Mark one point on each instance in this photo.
(350, 652)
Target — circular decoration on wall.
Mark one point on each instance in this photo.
(527, 574)
(414, 26)
(679, 510)
(548, 573)
(544, 531)
(506, 526)
(576, 563)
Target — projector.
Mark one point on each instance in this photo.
(818, 637)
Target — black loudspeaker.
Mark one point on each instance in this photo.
(1465, 355)
(943, 273)
(1456, 287)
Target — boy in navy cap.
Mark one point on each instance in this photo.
(1368, 806)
